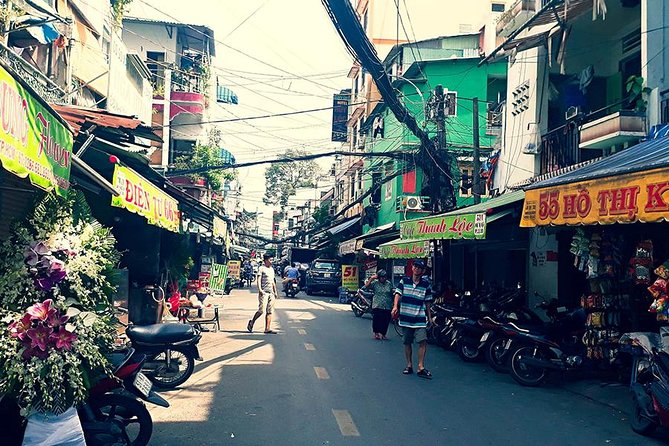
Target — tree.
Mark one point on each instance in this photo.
(322, 214)
(283, 179)
(208, 154)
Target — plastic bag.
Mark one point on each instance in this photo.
(49, 429)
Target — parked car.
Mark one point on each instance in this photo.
(323, 275)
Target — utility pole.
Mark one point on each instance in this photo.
(476, 187)
(440, 119)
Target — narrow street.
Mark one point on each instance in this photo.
(323, 380)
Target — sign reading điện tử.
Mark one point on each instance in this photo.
(461, 226)
(34, 143)
(640, 196)
(139, 195)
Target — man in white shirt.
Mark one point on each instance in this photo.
(266, 294)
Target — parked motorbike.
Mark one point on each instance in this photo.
(649, 382)
(171, 351)
(556, 346)
(362, 302)
(292, 287)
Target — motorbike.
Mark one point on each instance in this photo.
(114, 412)
(362, 302)
(247, 277)
(649, 383)
(171, 351)
(292, 287)
(554, 347)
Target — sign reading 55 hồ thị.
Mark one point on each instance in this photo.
(33, 142)
(463, 226)
(142, 197)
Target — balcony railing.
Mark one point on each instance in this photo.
(516, 16)
(37, 80)
(560, 148)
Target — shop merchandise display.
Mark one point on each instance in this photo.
(605, 315)
(658, 290)
(641, 263)
(597, 255)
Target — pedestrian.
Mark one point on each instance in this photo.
(412, 304)
(266, 294)
(382, 302)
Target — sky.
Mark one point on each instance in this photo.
(292, 35)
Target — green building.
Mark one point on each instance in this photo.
(416, 69)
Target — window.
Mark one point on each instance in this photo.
(155, 61)
(326, 265)
(498, 7)
(467, 183)
(376, 195)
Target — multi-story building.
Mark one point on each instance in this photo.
(387, 25)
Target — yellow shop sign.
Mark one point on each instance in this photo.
(140, 196)
(640, 196)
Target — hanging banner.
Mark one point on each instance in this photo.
(140, 196)
(347, 247)
(220, 228)
(350, 277)
(34, 143)
(641, 196)
(464, 226)
(218, 276)
(234, 269)
(405, 249)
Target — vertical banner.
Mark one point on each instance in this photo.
(219, 274)
(234, 268)
(350, 277)
(340, 116)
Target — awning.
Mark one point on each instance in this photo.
(405, 249)
(626, 187)
(343, 226)
(376, 236)
(241, 250)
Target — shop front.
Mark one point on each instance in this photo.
(399, 252)
(607, 225)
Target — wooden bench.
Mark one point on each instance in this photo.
(186, 316)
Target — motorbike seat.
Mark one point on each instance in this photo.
(160, 333)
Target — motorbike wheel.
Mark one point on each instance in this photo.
(467, 352)
(398, 328)
(357, 311)
(180, 369)
(525, 374)
(494, 355)
(129, 415)
(640, 424)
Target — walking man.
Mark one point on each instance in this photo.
(412, 303)
(266, 294)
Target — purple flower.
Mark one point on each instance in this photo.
(54, 320)
(40, 248)
(18, 329)
(39, 336)
(63, 339)
(30, 352)
(42, 310)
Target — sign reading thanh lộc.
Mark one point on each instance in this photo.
(463, 226)
(405, 249)
(34, 143)
(640, 196)
(139, 195)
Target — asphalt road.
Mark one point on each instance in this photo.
(323, 380)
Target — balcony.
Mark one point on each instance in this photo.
(519, 13)
(37, 80)
(617, 129)
(560, 148)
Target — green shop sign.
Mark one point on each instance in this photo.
(405, 249)
(34, 143)
(463, 226)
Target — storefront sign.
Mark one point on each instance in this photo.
(642, 196)
(347, 247)
(234, 268)
(220, 228)
(33, 142)
(218, 277)
(350, 277)
(142, 197)
(405, 249)
(465, 226)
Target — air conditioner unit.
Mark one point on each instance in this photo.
(413, 204)
(572, 112)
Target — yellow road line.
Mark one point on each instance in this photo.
(309, 346)
(346, 424)
(302, 331)
(321, 373)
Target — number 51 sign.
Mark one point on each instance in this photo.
(349, 277)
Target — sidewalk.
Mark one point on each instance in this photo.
(614, 395)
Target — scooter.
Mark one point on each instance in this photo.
(292, 287)
(650, 380)
(171, 351)
(362, 302)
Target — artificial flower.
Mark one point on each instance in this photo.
(18, 329)
(41, 311)
(55, 320)
(31, 352)
(39, 336)
(63, 339)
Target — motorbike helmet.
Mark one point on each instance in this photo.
(381, 273)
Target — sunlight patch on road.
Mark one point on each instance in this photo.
(321, 373)
(300, 315)
(345, 423)
(302, 331)
(309, 346)
(262, 355)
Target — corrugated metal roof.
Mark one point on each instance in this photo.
(502, 200)
(651, 154)
(78, 117)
